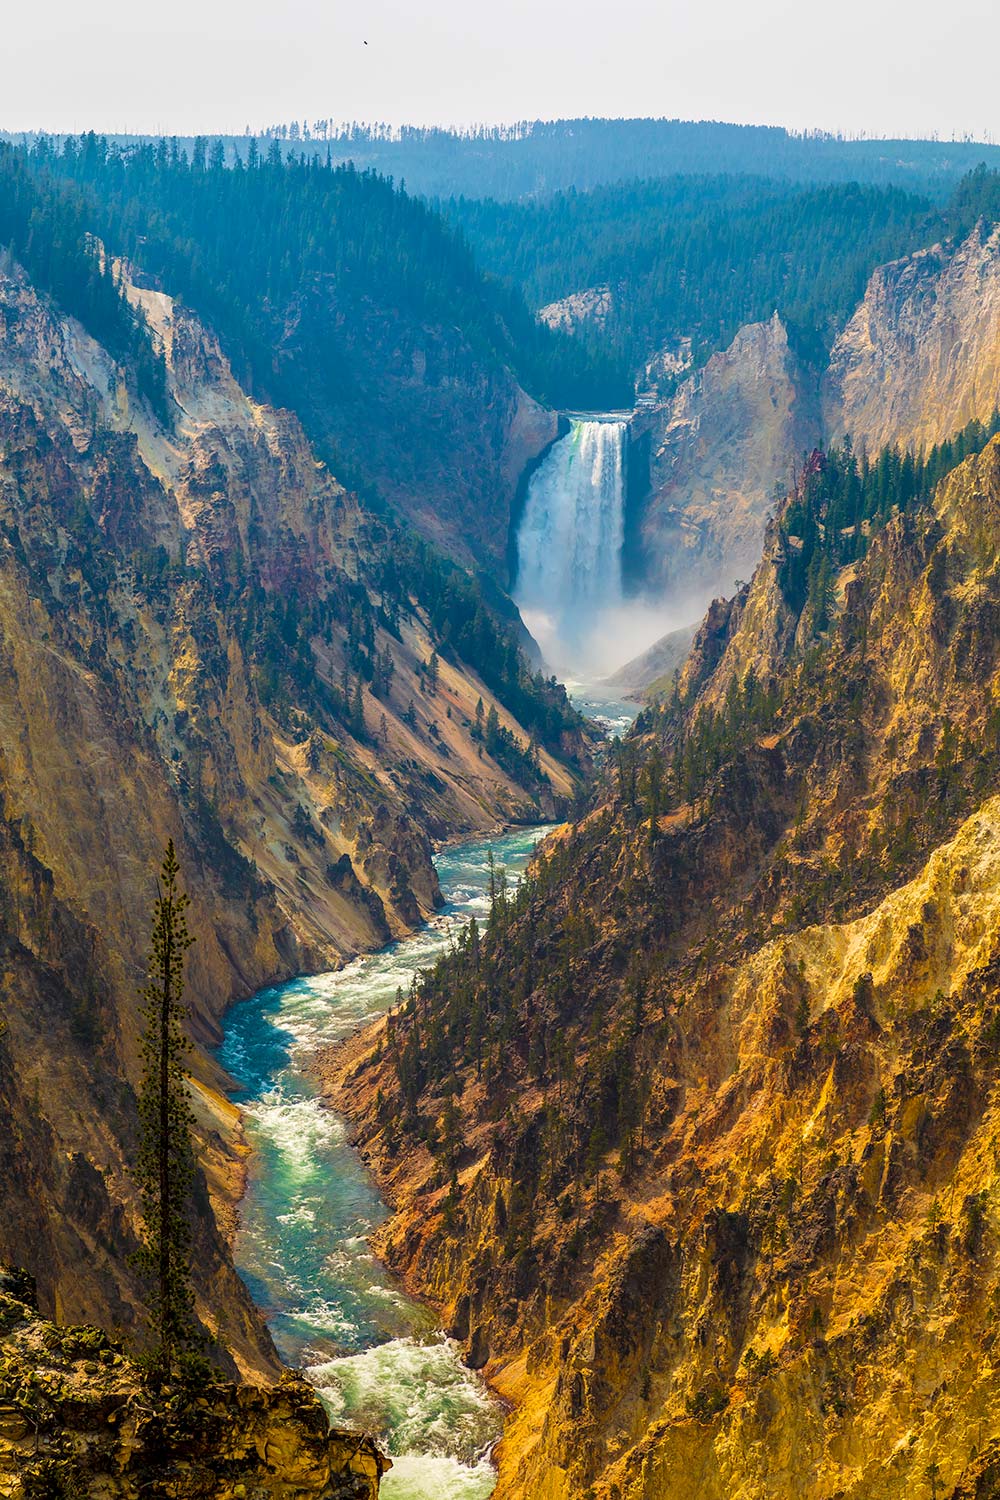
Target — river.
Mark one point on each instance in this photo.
(375, 1355)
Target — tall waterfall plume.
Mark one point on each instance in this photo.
(569, 547)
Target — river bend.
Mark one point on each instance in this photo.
(375, 1355)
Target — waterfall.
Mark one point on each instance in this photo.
(569, 544)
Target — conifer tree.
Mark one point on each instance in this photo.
(165, 1166)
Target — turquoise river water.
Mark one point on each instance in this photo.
(376, 1356)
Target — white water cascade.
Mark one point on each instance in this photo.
(569, 547)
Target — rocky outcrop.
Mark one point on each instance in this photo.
(663, 369)
(719, 449)
(76, 1418)
(593, 305)
(921, 356)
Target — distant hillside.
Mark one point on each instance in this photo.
(684, 261)
(538, 157)
(695, 257)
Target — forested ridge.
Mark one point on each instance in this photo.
(843, 499)
(533, 158)
(47, 224)
(250, 245)
(697, 257)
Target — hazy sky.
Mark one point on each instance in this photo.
(212, 65)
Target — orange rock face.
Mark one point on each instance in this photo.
(696, 1147)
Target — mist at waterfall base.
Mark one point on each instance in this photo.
(376, 1356)
(569, 586)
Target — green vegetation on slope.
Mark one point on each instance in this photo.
(841, 503)
(844, 498)
(697, 257)
(469, 630)
(265, 234)
(48, 231)
(262, 246)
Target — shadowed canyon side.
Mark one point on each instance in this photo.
(716, 1206)
(202, 636)
(441, 435)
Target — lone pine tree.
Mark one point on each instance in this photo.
(165, 1166)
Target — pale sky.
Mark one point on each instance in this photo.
(200, 66)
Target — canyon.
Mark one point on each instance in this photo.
(718, 1216)
(188, 615)
(689, 1139)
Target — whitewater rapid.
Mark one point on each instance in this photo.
(373, 1353)
(568, 583)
